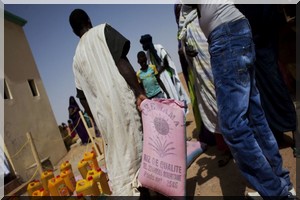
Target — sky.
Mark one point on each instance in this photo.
(53, 43)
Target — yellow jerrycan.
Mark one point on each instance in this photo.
(87, 187)
(83, 167)
(91, 158)
(65, 166)
(33, 186)
(100, 177)
(58, 187)
(45, 177)
(69, 179)
(40, 194)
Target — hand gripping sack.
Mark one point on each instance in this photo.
(163, 167)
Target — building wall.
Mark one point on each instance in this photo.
(25, 112)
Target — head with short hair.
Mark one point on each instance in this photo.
(146, 41)
(141, 54)
(142, 59)
(80, 22)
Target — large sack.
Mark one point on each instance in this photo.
(163, 167)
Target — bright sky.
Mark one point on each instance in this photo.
(53, 43)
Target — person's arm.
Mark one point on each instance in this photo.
(167, 67)
(142, 86)
(127, 71)
(162, 86)
(164, 66)
(86, 107)
(140, 82)
(84, 103)
(119, 47)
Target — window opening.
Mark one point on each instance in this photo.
(7, 93)
(33, 87)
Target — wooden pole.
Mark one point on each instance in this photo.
(90, 135)
(35, 154)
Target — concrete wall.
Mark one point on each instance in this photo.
(25, 112)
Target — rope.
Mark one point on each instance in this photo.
(87, 145)
(33, 175)
(20, 149)
(17, 153)
(36, 139)
(76, 125)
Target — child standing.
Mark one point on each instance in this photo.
(148, 77)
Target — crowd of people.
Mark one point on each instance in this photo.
(220, 56)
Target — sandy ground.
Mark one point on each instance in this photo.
(204, 177)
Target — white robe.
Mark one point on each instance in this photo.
(190, 33)
(175, 90)
(113, 106)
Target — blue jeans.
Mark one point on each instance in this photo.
(242, 120)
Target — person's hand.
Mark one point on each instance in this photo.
(139, 100)
(190, 51)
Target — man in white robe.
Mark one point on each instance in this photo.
(158, 56)
(106, 81)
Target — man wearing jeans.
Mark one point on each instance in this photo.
(242, 120)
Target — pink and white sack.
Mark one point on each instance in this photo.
(163, 167)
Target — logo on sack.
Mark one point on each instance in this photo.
(162, 148)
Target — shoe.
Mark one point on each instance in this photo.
(290, 197)
(256, 195)
(292, 191)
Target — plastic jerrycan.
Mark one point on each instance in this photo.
(45, 177)
(87, 187)
(65, 166)
(100, 177)
(33, 186)
(80, 197)
(57, 187)
(40, 193)
(91, 158)
(83, 167)
(69, 179)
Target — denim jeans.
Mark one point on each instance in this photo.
(242, 120)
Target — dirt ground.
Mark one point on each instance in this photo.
(204, 177)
